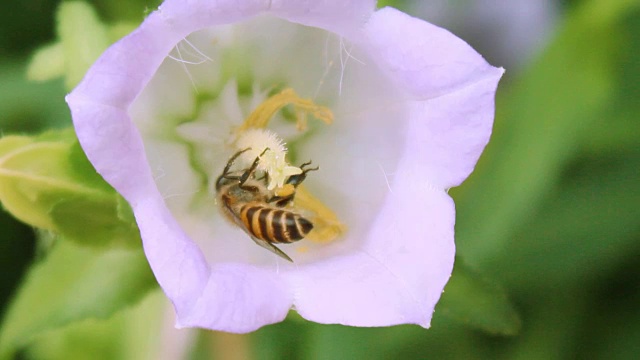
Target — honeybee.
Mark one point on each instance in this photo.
(245, 200)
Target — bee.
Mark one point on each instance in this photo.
(261, 213)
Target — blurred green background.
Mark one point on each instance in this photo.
(548, 229)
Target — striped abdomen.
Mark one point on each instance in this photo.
(274, 225)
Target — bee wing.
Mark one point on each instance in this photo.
(269, 246)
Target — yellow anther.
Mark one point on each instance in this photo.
(326, 226)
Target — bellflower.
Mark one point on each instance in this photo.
(408, 108)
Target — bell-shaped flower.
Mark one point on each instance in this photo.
(393, 110)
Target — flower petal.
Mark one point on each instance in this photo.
(398, 274)
(422, 58)
(448, 133)
(343, 17)
(239, 298)
(227, 297)
(197, 14)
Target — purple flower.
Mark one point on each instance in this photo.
(413, 110)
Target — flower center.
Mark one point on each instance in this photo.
(198, 111)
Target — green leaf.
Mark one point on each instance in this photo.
(83, 38)
(120, 30)
(46, 181)
(125, 213)
(478, 302)
(58, 58)
(398, 4)
(47, 63)
(130, 10)
(133, 333)
(99, 225)
(83, 170)
(73, 283)
(28, 106)
(33, 176)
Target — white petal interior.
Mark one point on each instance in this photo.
(212, 81)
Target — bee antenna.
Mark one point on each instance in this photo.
(304, 171)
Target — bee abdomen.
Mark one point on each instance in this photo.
(274, 225)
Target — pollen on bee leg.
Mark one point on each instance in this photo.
(285, 190)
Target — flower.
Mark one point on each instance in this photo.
(413, 109)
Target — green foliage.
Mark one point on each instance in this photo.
(23, 25)
(27, 106)
(133, 333)
(546, 116)
(71, 284)
(476, 301)
(16, 246)
(47, 63)
(83, 39)
(47, 182)
(570, 239)
(126, 10)
(398, 4)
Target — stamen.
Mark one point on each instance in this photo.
(261, 116)
(327, 226)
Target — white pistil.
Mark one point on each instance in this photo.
(273, 161)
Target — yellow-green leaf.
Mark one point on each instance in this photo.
(83, 39)
(47, 63)
(46, 181)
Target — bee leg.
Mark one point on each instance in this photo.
(269, 246)
(245, 176)
(232, 160)
(225, 173)
(264, 178)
